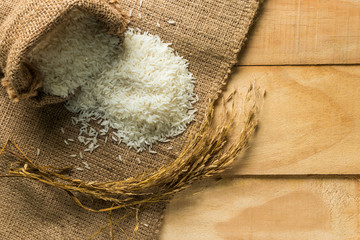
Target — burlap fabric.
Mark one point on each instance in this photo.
(24, 23)
(209, 33)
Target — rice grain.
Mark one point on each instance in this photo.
(142, 90)
(171, 22)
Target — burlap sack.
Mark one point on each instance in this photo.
(209, 33)
(23, 23)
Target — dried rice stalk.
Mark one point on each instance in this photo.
(205, 154)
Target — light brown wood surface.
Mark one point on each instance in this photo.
(266, 209)
(309, 125)
(305, 32)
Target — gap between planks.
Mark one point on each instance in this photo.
(289, 176)
(298, 65)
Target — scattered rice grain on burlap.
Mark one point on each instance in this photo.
(208, 33)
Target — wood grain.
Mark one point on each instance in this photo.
(305, 32)
(266, 209)
(309, 124)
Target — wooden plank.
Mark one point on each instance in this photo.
(305, 32)
(266, 209)
(310, 121)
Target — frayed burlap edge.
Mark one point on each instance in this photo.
(224, 83)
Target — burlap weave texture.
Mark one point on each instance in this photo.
(24, 23)
(207, 33)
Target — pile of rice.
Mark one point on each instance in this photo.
(138, 92)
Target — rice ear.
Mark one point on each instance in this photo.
(206, 153)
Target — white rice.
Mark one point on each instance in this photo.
(141, 91)
(72, 54)
(171, 22)
(86, 165)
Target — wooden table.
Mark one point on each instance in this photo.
(300, 178)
